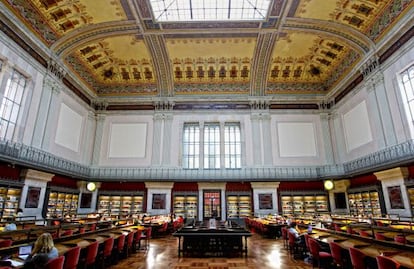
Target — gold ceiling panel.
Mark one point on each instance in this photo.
(65, 16)
(305, 57)
(117, 60)
(211, 60)
(359, 15)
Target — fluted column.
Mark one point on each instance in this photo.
(326, 138)
(89, 138)
(43, 112)
(260, 119)
(52, 90)
(100, 120)
(166, 150)
(157, 141)
(376, 87)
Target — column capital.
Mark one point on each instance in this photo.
(36, 175)
(264, 185)
(395, 173)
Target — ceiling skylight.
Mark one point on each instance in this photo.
(209, 10)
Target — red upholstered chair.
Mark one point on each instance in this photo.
(357, 258)
(284, 237)
(293, 247)
(118, 250)
(107, 251)
(336, 252)
(400, 239)
(55, 263)
(163, 229)
(67, 233)
(137, 239)
(349, 230)
(364, 233)
(385, 262)
(147, 236)
(72, 258)
(5, 243)
(129, 243)
(307, 236)
(91, 253)
(321, 257)
(93, 227)
(380, 236)
(82, 230)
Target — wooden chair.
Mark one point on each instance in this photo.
(380, 236)
(284, 237)
(56, 263)
(146, 237)
(357, 258)
(72, 258)
(118, 250)
(5, 243)
(336, 252)
(129, 243)
(385, 262)
(137, 240)
(321, 257)
(107, 251)
(91, 253)
(400, 239)
(364, 233)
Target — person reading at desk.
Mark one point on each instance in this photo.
(43, 250)
(300, 238)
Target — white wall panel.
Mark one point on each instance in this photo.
(357, 127)
(296, 139)
(128, 140)
(69, 128)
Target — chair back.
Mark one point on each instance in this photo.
(108, 246)
(55, 263)
(349, 230)
(385, 262)
(364, 233)
(336, 251)
(291, 239)
(82, 230)
(5, 243)
(91, 252)
(148, 232)
(138, 235)
(357, 258)
(379, 236)
(314, 247)
(307, 236)
(72, 258)
(93, 227)
(67, 233)
(400, 239)
(284, 233)
(130, 239)
(121, 242)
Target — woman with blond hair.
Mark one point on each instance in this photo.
(43, 250)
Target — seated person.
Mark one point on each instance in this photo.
(10, 227)
(43, 250)
(299, 236)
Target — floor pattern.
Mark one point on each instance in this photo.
(263, 253)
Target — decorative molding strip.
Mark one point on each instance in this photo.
(16, 153)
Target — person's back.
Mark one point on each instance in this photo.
(43, 250)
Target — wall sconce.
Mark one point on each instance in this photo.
(91, 186)
(328, 184)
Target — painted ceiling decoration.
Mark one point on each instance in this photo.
(123, 53)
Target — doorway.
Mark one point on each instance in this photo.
(212, 204)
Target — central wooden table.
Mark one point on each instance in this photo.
(212, 242)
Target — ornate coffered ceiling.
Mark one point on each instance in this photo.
(305, 51)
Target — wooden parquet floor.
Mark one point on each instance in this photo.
(263, 253)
